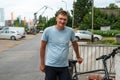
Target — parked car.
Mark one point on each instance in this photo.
(41, 31)
(6, 34)
(86, 35)
(20, 30)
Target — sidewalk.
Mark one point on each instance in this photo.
(6, 44)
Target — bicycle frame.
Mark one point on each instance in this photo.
(106, 77)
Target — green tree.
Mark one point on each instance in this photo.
(116, 24)
(82, 18)
(41, 23)
(86, 23)
(81, 8)
(19, 23)
(87, 20)
(100, 19)
(112, 6)
(50, 22)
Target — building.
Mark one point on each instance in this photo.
(2, 20)
(8, 23)
(109, 11)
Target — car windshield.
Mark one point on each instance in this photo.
(85, 32)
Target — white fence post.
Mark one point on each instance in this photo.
(117, 66)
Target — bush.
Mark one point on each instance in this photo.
(110, 33)
(108, 41)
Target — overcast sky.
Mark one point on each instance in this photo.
(26, 8)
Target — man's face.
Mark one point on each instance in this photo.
(61, 20)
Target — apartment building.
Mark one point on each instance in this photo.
(2, 20)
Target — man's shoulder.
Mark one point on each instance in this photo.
(69, 28)
(49, 28)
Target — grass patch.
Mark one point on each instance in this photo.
(108, 41)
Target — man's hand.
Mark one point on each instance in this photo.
(79, 60)
(42, 68)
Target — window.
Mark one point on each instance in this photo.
(12, 31)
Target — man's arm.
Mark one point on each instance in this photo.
(76, 49)
(42, 55)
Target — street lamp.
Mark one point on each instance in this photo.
(65, 4)
(92, 36)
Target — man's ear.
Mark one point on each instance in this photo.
(56, 18)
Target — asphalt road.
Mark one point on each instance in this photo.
(21, 62)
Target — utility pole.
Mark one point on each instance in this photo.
(92, 35)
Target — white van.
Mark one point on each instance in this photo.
(9, 34)
(20, 30)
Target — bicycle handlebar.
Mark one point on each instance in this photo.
(105, 57)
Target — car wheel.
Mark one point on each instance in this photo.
(77, 38)
(96, 39)
(13, 38)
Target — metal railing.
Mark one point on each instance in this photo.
(89, 53)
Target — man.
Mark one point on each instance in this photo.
(54, 49)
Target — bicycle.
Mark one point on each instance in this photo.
(72, 64)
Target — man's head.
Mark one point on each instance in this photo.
(62, 12)
(61, 19)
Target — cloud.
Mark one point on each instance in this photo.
(103, 3)
(26, 8)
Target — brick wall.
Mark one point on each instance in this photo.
(117, 66)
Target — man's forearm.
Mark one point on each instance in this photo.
(76, 49)
(42, 57)
(42, 52)
(75, 46)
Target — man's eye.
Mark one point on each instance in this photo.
(63, 19)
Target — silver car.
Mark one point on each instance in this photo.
(6, 34)
(86, 35)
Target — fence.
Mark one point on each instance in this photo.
(117, 66)
(89, 53)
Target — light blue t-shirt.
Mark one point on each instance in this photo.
(57, 48)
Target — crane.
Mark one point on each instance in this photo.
(35, 17)
(35, 14)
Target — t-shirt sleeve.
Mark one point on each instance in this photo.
(45, 35)
(73, 36)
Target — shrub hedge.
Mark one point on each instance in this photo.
(110, 33)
